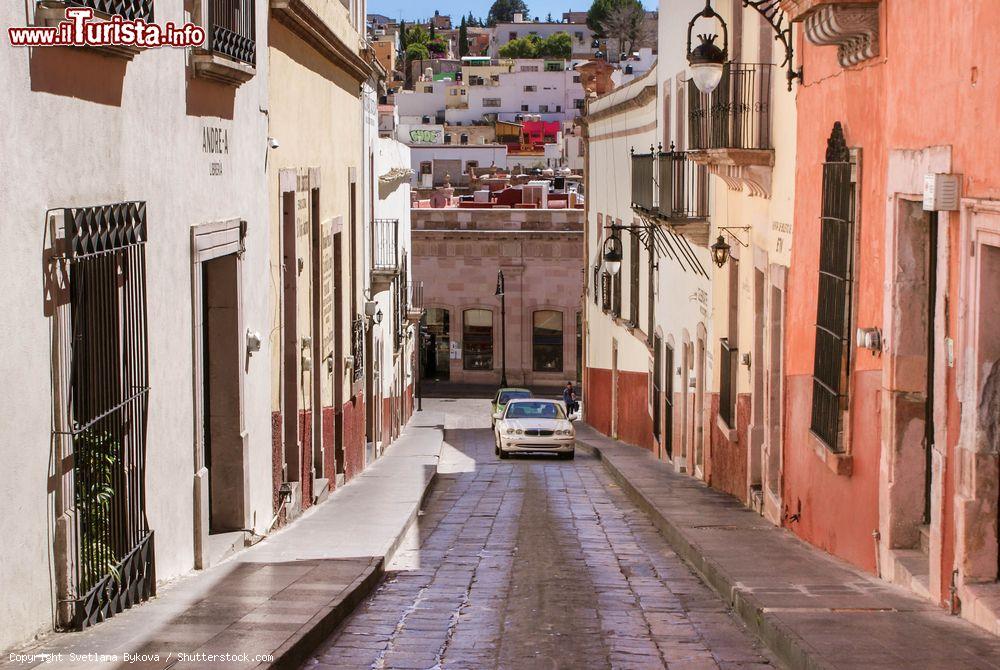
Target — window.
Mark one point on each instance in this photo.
(428, 89)
(477, 339)
(426, 167)
(576, 79)
(471, 165)
(535, 409)
(578, 35)
(495, 78)
(547, 341)
(512, 35)
(616, 282)
(831, 363)
(231, 29)
(530, 89)
(464, 138)
(578, 103)
(529, 68)
(524, 108)
(447, 138)
(558, 108)
(491, 102)
(543, 109)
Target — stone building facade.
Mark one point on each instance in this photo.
(457, 255)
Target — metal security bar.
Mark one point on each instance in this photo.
(385, 244)
(727, 381)
(358, 347)
(831, 363)
(232, 29)
(668, 392)
(642, 181)
(737, 114)
(416, 299)
(128, 9)
(683, 187)
(111, 545)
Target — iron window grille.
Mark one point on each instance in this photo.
(103, 410)
(358, 347)
(727, 383)
(616, 284)
(127, 9)
(606, 291)
(831, 362)
(385, 244)
(737, 114)
(657, 384)
(232, 29)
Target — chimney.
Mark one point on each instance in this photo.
(518, 17)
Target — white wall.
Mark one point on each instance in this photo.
(484, 155)
(581, 43)
(140, 140)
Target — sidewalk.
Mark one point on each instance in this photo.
(811, 609)
(282, 596)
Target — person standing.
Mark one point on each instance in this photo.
(569, 398)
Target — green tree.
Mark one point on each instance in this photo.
(463, 39)
(502, 11)
(600, 10)
(548, 17)
(433, 34)
(417, 51)
(522, 47)
(558, 45)
(417, 35)
(626, 24)
(402, 35)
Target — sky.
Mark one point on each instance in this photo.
(421, 9)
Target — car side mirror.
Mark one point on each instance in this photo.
(498, 415)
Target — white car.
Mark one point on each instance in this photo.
(534, 425)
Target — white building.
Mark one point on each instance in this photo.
(432, 163)
(135, 323)
(582, 36)
(531, 86)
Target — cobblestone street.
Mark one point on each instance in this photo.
(534, 563)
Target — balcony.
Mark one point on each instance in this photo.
(385, 253)
(671, 188)
(53, 12)
(415, 301)
(230, 53)
(730, 129)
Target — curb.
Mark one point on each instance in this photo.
(296, 650)
(781, 641)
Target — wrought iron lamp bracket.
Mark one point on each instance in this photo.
(729, 231)
(771, 11)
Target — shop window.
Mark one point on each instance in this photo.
(477, 339)
(547, 341)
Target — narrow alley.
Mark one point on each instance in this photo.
(534, 563)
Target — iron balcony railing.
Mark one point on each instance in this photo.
(358, 347)
(416, 296)
(683, 187)
(385, 245)
(127, 9)
(737, 114)
(232, 29)
(727, 383)
(669, 185)
(643, 171)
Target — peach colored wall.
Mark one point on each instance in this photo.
(935, 82)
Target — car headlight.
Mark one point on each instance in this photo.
(518, 432)
(567, 431)
(510, 431)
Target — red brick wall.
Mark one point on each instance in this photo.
(276, 459)
(354, 438)
(635, 425)
(329, 464)
(305, 472)
(597, 399)
(727, 470)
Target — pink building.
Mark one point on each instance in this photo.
(457, 254)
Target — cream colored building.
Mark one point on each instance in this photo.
(750, 154)
(317, 186)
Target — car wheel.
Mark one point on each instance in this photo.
(496, 444)
(502, 454)
(567, 455)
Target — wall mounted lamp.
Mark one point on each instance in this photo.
(721, 249)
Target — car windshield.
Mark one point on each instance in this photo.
(535, 410)
(506, 396)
